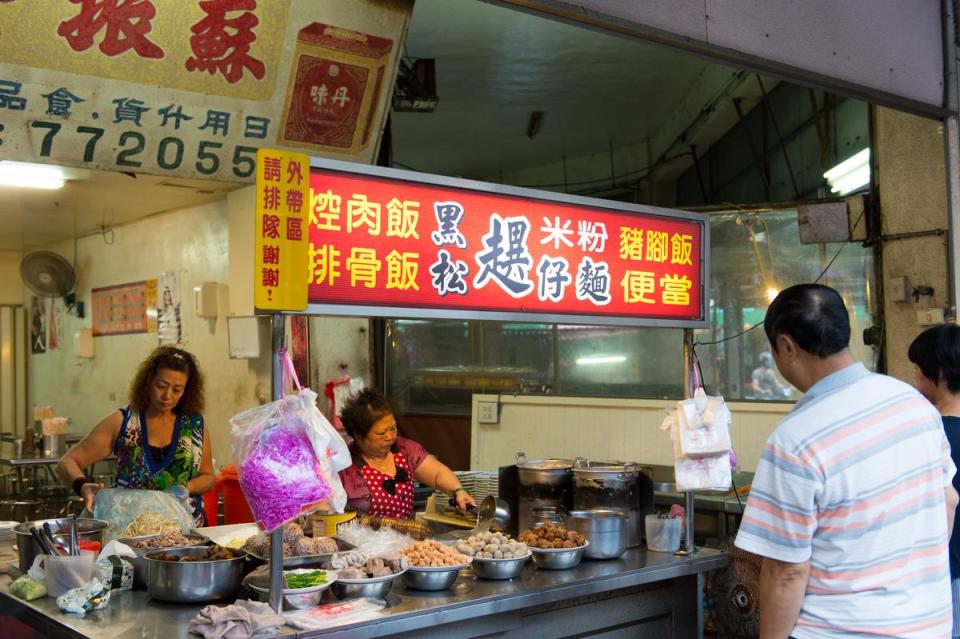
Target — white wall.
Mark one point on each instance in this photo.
(193, 241)
(602, 429)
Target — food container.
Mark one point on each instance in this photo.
(27, 548)
(545, 515)
(432, 578)
(543, 482)
(66, 573)
(606, 530)
(140, 564)
(511, 568)
(294, 598)
(612, 485)
(373, 587)
(558, 558)
(192, 581)
(663, 535)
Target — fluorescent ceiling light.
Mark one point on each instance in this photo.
(850, 175)
(601, 359)
(30, 176)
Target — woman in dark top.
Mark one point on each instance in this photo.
(935, 354)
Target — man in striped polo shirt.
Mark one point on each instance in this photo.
(852, 502)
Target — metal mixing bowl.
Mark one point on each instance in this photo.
(293, 598)
(192, 581)
(140, 564)
(558, 558)
(498, 568)
(431, 578)
(374, 587)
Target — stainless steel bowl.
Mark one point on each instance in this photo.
(605, 528)
(374, 587)
(431, 578)
(27, 548)
(498, 568)
(192, 581)
(293, 599)
(140, 564)
(558, 558)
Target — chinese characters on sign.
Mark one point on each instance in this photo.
(280, 260)
(123, 309)
(375, 241)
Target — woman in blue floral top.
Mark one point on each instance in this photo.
(159, 439)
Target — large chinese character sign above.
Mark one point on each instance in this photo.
(400, 244)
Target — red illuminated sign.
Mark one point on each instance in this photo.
(403, 245)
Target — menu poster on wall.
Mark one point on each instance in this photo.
(169, 326)
(283, 214)
(399, 246)
(122, 309)
(38, 325)
(56, 325)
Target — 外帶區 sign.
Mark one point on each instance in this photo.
(280, 251)
(393, 243)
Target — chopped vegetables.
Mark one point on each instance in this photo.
(309, 579)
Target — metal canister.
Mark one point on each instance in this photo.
(609, 485)
(543, 483)
(545, 515)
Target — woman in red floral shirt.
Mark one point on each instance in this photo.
(385, 465)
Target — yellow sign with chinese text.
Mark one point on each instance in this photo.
(282, 220)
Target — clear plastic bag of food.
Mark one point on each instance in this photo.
(120, 506)
(283, 459)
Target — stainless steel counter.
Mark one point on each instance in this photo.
(471, 607)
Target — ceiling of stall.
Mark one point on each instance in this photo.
(494, 66)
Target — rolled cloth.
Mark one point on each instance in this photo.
(237, 621)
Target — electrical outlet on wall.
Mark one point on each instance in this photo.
(930, 317)
(488, 413)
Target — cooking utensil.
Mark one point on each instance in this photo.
(42, 542)
(28, 548)
(47, 533)
(74, 540)
(558, 558)
(441, 578)
(606, 529)
(192, 581)
(485, 568)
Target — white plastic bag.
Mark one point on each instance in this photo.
(700, 429)
(120, 506)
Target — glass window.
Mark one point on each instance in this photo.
(435, 366)
(753, 257)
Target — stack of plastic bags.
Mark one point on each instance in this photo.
(700, 428)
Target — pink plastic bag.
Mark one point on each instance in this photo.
(280, 473)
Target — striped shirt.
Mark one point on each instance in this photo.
(852, 480)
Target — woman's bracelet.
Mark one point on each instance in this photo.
(79, 482)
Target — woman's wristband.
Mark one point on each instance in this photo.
(79, 482)
(457, 490)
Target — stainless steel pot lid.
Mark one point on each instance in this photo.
(587, 467)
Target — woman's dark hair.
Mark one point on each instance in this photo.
(363, 411)
(936, 352)
(174, 359)
(813, 315)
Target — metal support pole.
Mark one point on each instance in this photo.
(688, 546)
(277, 331)
(951, 147)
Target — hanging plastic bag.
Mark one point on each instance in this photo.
(283, 458)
